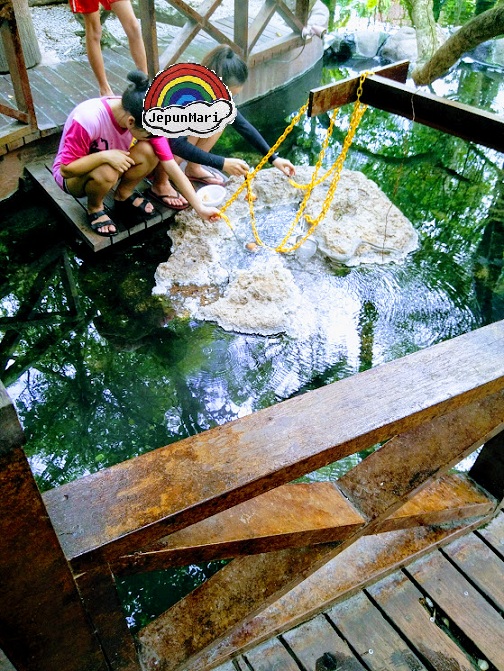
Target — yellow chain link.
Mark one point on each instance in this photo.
(336, 168)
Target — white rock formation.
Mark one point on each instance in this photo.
(211, 275)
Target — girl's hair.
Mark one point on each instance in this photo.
(227, 65)
(133, 97)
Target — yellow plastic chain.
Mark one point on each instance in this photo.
(336, 168)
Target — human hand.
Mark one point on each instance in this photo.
(209, 213)
(285, 166)
(120, 160)
(235, 166)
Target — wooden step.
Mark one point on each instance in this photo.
(72, 211)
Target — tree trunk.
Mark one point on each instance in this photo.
(479, 29)
(422, 17)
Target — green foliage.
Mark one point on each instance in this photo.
(455, 12)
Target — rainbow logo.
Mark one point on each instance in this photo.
(187, 99)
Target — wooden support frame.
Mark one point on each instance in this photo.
(25, 111)
(384, 89)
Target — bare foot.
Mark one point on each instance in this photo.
(169, 196)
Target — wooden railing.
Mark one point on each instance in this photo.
(225, 493)
(25, 110)
(245, 34)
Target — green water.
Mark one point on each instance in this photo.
(100, 372)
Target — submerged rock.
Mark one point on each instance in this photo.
(227, 276)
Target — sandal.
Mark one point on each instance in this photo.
(126, 209)
(214, 177)
(95, 225)
(161, 200)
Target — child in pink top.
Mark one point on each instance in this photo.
(95, 153)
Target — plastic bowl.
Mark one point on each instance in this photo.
(212, 195)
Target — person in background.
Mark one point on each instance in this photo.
(201, 163)
(90, 10)
(96, 152)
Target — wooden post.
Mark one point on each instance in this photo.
(488, 469)
(43, 625)
(241, 26)
(149, 34)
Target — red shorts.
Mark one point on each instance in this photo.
(89, 6)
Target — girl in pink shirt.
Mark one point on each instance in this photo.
(95, 153)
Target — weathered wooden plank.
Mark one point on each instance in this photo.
(299, 515)
(73, 211)
(37, 592)
(172, 487)
(248, 584)
(328, 97)
(367, 631)
(315, 640)
(364, 562)
(461, 120)
(406, 606)
(493, 534)
(101, 601)
(462, 604)
(271, 656)
(481, 565)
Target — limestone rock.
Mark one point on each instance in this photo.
(227, 276)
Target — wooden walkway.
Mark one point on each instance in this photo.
(57, 89)
(443, 612)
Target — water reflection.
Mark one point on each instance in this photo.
(99, 372)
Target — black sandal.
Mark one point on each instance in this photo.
(126, 209)
(95, 225)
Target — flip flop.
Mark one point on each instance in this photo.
(159, 199)
(95, 225)
(214, 175)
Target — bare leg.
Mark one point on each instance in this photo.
(145, 162)
(124, 12)
(93, 29)
(95, 185)
(195, 170)
(163, 189)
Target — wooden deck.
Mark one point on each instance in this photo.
(73, 211)
(443, 612)
(57, 89)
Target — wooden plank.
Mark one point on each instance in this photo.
(462, 604)
(271, 656)
(270, 447)
(299, 515)
(101, 601)
(38, 596)
(148, 24)
(316, 640)
(364, 562)
(481, 565)
(493, 534)
(327, 97)
(405, 605)
(461, 120)
(366, 630)
(248, 584)
(73, 211)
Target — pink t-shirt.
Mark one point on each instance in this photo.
(92, 127)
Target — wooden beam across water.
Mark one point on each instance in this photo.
(385, 91)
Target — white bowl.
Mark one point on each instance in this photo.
(212, 195)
